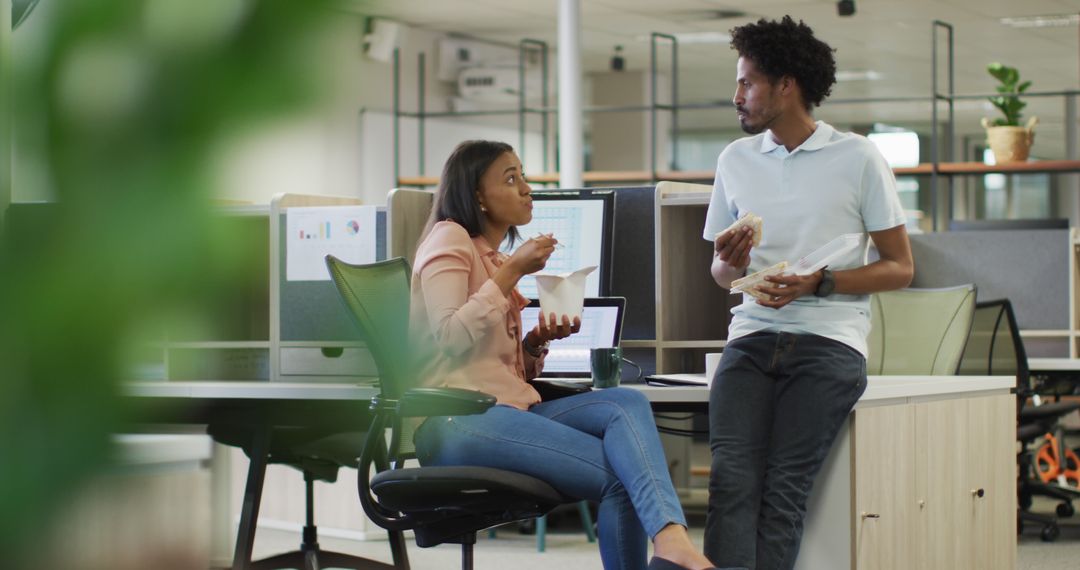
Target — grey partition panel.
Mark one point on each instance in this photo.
(1028, 267)
(312, 310)
(633, 266)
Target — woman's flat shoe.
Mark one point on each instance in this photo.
(658, 563)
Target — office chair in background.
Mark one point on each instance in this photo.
(995, 348)
(439, 504)
(318, 453)
(919, 331)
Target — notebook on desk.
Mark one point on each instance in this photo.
(679, 379)
(601, 327)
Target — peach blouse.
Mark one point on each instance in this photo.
(466, 332)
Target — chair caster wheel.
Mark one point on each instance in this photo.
(1050, 533)
(1065, 510)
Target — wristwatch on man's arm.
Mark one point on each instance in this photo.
(826, 285)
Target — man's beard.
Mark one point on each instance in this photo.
(762, 125)
(751, 129)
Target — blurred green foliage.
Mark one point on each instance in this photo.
(130, 100)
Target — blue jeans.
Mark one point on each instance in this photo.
(600, 445)
(776, 404)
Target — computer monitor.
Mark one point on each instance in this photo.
(582, 222)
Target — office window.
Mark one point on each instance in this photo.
(699, 150)
(1014, 196)
(900, 148)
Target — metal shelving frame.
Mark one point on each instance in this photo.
(421, 113)
(940, 223)
(545, 110)
(934, 169)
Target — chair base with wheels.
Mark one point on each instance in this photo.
(1024, 488)
(296, 451)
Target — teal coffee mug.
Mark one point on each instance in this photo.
(606, 367)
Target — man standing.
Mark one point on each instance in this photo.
(795, 361)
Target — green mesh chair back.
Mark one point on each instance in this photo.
(377, 296)
(919, 331)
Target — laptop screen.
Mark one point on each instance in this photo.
(601, 327)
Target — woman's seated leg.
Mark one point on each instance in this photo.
(571, 461)
(622, 419)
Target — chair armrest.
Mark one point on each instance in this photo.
(554, 389)
(423, 402)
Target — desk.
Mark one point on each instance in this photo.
(852, 480)
(879, 390)
(335, 408)
(1055, 376)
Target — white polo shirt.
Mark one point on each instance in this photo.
(834, 183)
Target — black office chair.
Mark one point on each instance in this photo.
(439, 504)
(318, 452)
(994, 347)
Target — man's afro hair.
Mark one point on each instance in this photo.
(788, 48)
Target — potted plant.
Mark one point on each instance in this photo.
(1009, 141)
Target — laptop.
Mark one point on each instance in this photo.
(601, 327)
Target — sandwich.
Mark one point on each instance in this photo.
(749, 283)
(747, 219)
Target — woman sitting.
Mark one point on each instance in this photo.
(466, 310)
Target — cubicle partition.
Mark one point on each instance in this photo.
(311, 336)
(1032, 268)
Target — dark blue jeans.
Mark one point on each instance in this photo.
(776, 404)
(600, 445)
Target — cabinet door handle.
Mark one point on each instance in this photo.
(978, 493)
(866, 515)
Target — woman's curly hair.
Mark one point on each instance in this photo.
(786, 48)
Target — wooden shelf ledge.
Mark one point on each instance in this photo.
(630, 176)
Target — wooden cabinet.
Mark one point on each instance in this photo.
(934, 485)
(884, 514)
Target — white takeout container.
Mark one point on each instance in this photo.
(826, 254)
(563, 293)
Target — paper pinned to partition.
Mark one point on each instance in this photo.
(347, 232)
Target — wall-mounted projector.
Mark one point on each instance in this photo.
(497, 84)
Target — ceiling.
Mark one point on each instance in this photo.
(890, 37)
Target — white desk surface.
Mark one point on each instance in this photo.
(1054, 364)
(878, 388)
(255, 390)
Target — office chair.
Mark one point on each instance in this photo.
(318, 452)
(439, 504)
(919, 331)
(994, 348)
